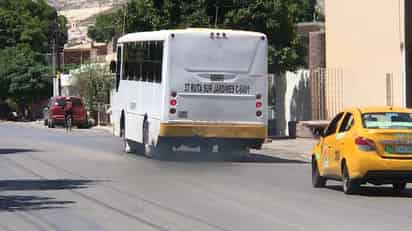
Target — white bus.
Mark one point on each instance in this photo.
(194, 87)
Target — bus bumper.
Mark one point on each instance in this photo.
(250, 134)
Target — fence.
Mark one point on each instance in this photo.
(103, 117)
(326, 93)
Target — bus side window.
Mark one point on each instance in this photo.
(125, 62)
(154, 61)
(118, 65)
(149, 67)
(130, 60)
(143, 69)
(144, 61)
(139, 60)
(134, 62)
(159, 61)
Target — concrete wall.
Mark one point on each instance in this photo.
(292, 99)
(364, 45)
(69, 85)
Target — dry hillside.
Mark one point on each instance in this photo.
(63, 5)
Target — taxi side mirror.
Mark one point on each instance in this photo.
(320, 132)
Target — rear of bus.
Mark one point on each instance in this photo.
(216, 89)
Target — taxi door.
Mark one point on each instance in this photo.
(329, 145)
(343, 136)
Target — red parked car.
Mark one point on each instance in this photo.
(55, 112)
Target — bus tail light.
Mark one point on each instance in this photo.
(365, 144)
(259, 105)
(173, 102)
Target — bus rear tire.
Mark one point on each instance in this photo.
(162, 151)
(132, 147)
(126, 146)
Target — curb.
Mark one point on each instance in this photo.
(104, 128)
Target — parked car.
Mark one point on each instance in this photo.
(54, 113)
(365, 145)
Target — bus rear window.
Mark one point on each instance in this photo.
(387, 120)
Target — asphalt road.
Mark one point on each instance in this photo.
(53, 180)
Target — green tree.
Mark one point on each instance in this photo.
(61, 32)
(30, 22)
(305, 10)
(148, 15)
(95, 83)
(4, 77)
(107, 26)
(275, 18)
(141, 15)
(182, 14)
(24, 77)
(27, 30)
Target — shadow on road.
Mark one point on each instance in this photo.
(261, 158)
(375, 191)
(25, 203)
(7, 151)
(32, 185)
(222, 157)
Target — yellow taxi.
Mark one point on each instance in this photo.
(365, 145)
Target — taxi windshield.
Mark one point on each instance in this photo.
(387, 120)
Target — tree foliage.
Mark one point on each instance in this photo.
(23, 75)
(276, 18)
(95, 83)
(107, 26)
(27, 30)
(30, 22)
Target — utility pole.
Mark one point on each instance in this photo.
(58, 64)
(55, 62)
(216, 14)
(55, 82)
(124, 18)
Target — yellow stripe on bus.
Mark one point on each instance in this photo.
(214, 130)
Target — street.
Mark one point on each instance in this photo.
(53, 180)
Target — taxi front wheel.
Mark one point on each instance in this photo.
(317, 180)
(350, 186)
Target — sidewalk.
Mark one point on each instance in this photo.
(299, 148)
(104, 128)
